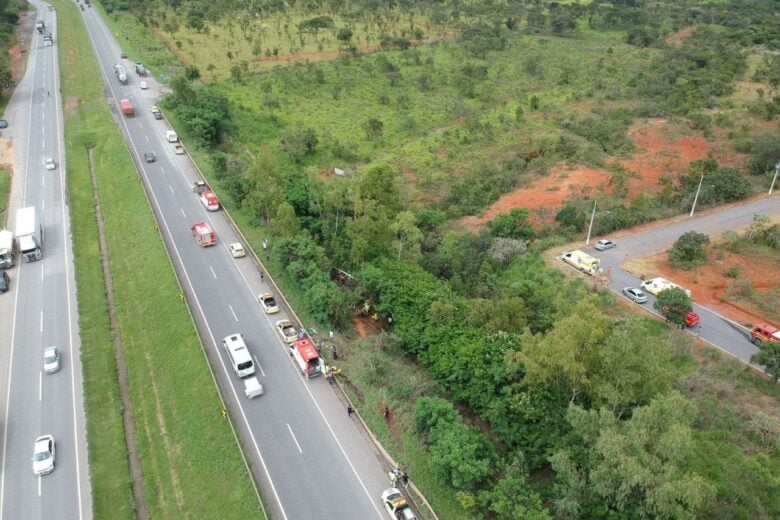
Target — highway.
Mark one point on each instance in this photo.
(40, 311)
(725, 334)
(306, 453)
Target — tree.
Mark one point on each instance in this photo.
(374, 128)
(512, 225)
(344, 35)
(429, 412)
(460, 456)
(407, 234)
(286, 222)
(768, 356)
(631, 469)
(191, 72)
(674, 305)
(690, 249)
(504, 249)
(299, 143)
(565, 355)
(511, 498)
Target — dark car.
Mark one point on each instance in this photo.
(3, 123)
(150, 157)
(5, 282)
(123, 55)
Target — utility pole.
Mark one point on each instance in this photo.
(693, 208)
(774, 179)
(590, 227)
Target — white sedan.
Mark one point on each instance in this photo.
(268, 303)
(43, 455)
(237, 250)
(143, 85)
(51, 360)
(49, 163)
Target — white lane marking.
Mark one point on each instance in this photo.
(142, 125)
(43, 206)
(258, 365)
(41, 317)
(233, 312)
(40, 386)
(295, 440)
(39, 484)
(171, 188)
(161, 170)
(147, 138)
(182, 212)
(43, 181)
(213, 273)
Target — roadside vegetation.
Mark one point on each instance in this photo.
(514, 392)
(9, 17)
(185, 446)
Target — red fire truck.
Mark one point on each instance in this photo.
(307, 357)
(203, 234)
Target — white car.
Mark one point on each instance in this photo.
(143, 85)
(49, 163)
(51, 360)
(267, 302)
(237, 250)
(287, 331)
(604, 244)
(396, 505)
(43, 455)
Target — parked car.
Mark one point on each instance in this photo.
(268, 303)
(123, 55)
(49, 163)
(51, 360)
(3, 123)
(43, 455)
(143, 85)
(604, 244)
(635, 294)
(237, 250)
(5, 282)
(179, 149)
(287, 331)
(396, 505)
(150, 157)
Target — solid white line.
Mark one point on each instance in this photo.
(40, 386)
(213, 273)
(295, 440)
(258, 365)
(233, 312)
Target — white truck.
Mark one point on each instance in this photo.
(29, 233)
(121, 74)
(7, 249)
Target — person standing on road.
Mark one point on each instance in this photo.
(350, 410)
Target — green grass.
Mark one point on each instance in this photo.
(192, 467)
(5, 187)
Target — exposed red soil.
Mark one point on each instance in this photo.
(547, 192)
(365, 326)
(658, 154)
(676, 38)
(710, 287)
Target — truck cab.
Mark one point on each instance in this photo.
(764, 332)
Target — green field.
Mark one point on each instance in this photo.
(191, 464)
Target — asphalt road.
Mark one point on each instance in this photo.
(307, 454)
(40, 310)
(723, 333)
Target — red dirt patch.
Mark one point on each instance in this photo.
(676, 38)
(547, 192)
(660, 154)
(710, 287)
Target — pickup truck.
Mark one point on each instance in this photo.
(764, 332)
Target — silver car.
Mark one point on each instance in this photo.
(51, 360)
(635, 295)
(43, 455)
(604, 244)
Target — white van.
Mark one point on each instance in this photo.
(239, 355)
(171, 137)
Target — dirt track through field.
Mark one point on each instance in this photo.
(141, 509)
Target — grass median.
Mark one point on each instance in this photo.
(192, 467)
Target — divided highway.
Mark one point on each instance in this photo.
(731, 337)
(304, 450)
(40, 311)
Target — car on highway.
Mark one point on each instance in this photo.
(635, 294)
(237, 250)
(143, 85)
(604, 244)
(123, 55)
(51, 360)
(396, 505)
(287, 331)
(268, 303)
(43, 455)
(179, 149)
(150, 157)
(3, 123)
(5, 282)
(49, 163)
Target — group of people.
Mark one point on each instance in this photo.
(399, 474)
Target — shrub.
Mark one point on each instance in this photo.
(690, 249)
